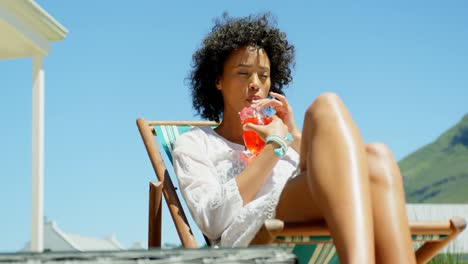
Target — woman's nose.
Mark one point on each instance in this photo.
(254, 83)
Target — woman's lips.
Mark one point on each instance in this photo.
(250, 99)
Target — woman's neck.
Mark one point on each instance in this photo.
(231, 128)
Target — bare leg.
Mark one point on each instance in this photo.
(392, 234)
(335, 165)
(296, 202)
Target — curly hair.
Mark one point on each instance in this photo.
(227, 35)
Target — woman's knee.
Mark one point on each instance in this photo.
(326, 106)
(380, 164)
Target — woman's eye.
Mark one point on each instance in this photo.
(243, 73)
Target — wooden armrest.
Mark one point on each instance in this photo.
(267, 233)
(431, 248)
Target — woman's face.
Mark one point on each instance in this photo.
(246, 77)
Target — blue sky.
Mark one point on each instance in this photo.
(400, 66)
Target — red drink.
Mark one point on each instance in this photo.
(252, 141)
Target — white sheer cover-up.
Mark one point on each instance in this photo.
(206, 165)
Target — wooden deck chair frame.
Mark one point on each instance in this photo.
(274, 230)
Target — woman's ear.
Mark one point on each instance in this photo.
(218, 83)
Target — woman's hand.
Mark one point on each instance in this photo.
(283, 110)
(275, 127)
(285, 113)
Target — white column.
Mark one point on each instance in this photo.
(37, 227)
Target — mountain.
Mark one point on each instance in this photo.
(438, 172)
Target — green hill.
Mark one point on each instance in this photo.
(438, 172)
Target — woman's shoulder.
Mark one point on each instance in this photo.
(204, 140)
(197, 136)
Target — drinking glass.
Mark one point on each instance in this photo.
(253, 142)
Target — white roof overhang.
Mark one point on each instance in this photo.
(26, 29)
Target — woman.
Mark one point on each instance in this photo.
(327, 172)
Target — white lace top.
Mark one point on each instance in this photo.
(206, 165)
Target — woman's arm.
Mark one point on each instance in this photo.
(212, 203)
(251, 180)
(257, 172)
